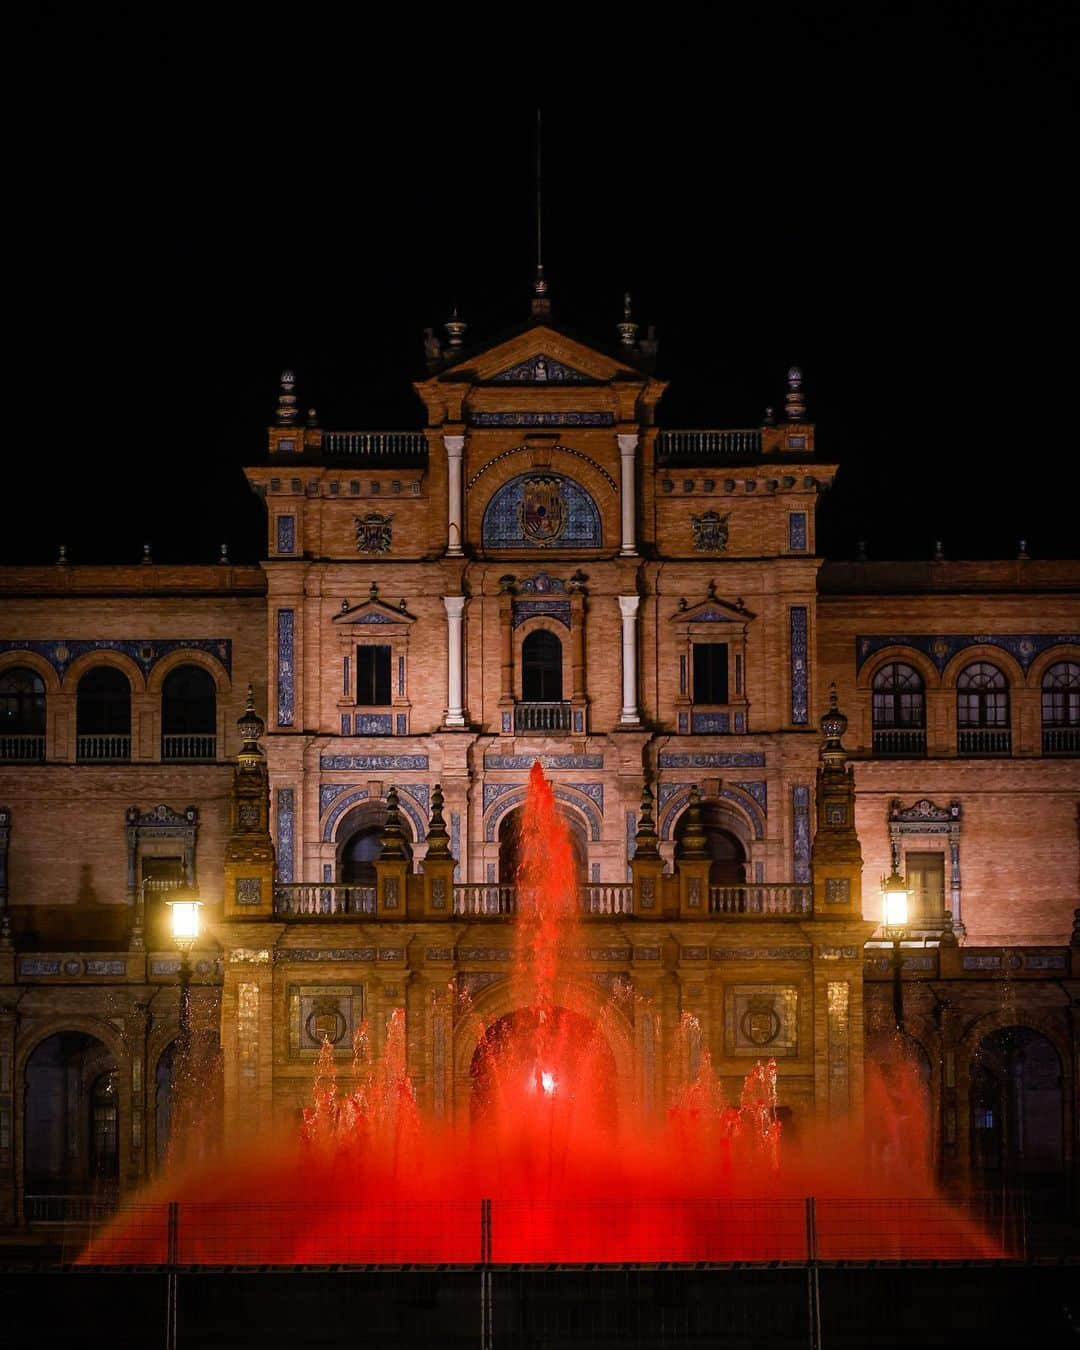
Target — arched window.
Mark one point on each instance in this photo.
(22, 714)
(188, 714)
(899, 711)
(982, 711)
(542, 684)
(103, 715)
(1061, 709)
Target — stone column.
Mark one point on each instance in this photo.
(455, 613)
(628, 456)
(628, 607)
(455, 447)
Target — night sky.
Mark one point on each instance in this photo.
(880, 193)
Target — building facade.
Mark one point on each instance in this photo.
(540, 573)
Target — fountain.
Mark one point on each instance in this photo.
(560, 1159)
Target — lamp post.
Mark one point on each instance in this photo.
(185, 931)
(894, 897)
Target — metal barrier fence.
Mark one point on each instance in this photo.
(508, 1232)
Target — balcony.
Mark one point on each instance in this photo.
(489, 900)
(322, 899)
(1061, 740)
(542, 718)
(782, 898)
(984, 741)
(190, 746)
(705, 447)
(386, 448)
(900, 742)
(103, 749)
(22, 749)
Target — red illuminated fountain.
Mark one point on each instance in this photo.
(562, 1158)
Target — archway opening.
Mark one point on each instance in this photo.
(520, 1058)
(1017, 1120)
(541, 668)
(359, 847)
(71, 1115)
(727, 856)
(103, 715)
(188, 714)
(510, 847)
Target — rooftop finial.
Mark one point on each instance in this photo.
(455, 329)
(286, 403)
(627, 329)
(541, 301)
(795, 400)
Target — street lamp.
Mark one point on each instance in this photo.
(894, 898)
(185, 930)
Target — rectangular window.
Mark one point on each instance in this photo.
(373, 676)
(926, 882)
(710, 672)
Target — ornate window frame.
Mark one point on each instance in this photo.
(374, 623)
(912, 828)
(712, 621)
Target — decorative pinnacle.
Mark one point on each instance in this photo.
(645, 840)
(251, 727)
(833, 726)
(223, 554)
(795, 400)
(693, 844)
(286, 409)
(62, 557)
(438, 841)
(392, 839)
(455, 329)
(627, 329)
(146, 554)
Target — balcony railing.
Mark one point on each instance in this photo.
(487, 899)
(984, 741)
(103, 748)
(544, 717)
(900, 742)
(381, 446)
(24, 749)
(191, 745)
(317, 899)
(682, 447)
(97, 1208)
(1061, 740)
(761, 898)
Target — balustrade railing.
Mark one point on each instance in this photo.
(681, 446)
(375, 445)
(1061, 740)
(900, 742)
(604, 897)
(24, 749)
(317, 899)
(97, 1208)
(483, 898)
(542, 717)
(783, 897)
(103, 748)
(984, 741)
(192, 745)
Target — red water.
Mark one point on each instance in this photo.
(562, 1156)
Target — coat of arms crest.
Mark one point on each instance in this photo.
(710, 532)
(373, 533)
(760, 1022)
(542, 510)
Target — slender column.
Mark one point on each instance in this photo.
(628, 455)
(455, 611)
(628, 607)
(455, 446)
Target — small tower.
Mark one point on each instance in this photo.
(836, 855)
(692, 862)
(647, 866)
(392, 864)
(438, 866)
(795, 399)
(249, 850)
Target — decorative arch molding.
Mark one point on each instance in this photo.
(16, 659)
(1064, 651)
(509, 797)
(521, 513)
(993, 655)
(558, 450)
(908, 656)
(82, 665)
(144, 653)
(97, 1028)
(943, 649)
(748, 817)
(188, 656)
(1000, 1020)
(413, 802)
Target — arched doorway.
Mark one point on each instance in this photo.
(1017, 1122)
(72, 1122)
(578, 1064)
(727, 856)
(541, 668)
(358, 843)
(510, 847)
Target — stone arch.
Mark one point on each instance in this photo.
(104, 656)
(1018, 1125)
(500, 526)
(414, 812)
(507, 470)
(45, 670)
(579, 842)
(993, 656)
(1062, 651)
(909, 656)
(565, 793)
(188, 656)
(98, 1028)
(737, 806)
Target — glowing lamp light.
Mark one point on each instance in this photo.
(185, 922)
(894, 897)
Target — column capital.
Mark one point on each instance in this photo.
(628, 442)
(628, 605)
(455, 445)
(455, 605)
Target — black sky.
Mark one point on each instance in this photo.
(880, 192)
